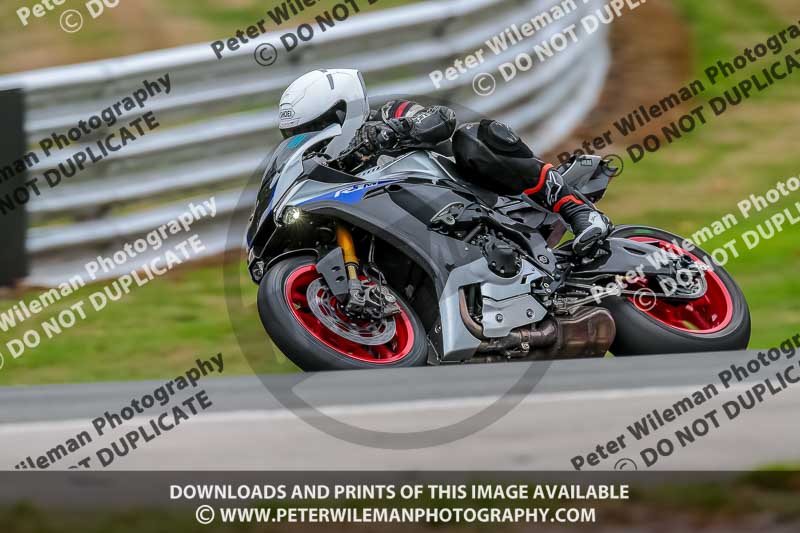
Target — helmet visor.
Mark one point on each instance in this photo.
(334, 115)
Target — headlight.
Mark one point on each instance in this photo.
(291, 215)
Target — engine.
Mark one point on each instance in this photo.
(584, 332)
(502, 255)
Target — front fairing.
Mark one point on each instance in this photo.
(283, 169)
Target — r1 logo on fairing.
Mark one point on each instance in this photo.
(350, 195)
(360, 187)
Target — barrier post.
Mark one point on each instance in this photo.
(14, 220)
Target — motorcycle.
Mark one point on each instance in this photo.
(408, 264)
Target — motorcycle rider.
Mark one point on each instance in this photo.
(489, 152)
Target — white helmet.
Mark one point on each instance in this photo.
(323, 97)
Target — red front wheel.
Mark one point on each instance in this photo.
(718, 320)
(304, 320)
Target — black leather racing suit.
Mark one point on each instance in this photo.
(402, 125)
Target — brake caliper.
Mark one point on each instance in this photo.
(371, 301)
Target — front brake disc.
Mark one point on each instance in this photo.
(323, 305)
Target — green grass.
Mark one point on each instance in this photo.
(722, 30)
(156, 331)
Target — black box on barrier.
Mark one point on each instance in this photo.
(13, 223)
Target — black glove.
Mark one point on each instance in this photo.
(425, 128)
(377, 136)
(400, 126)
(370, 141)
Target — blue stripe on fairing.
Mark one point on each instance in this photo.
(349, 195)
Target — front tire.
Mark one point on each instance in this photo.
(285, 315)
(718, 321)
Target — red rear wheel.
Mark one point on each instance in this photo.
(718, 320)
(710, 313)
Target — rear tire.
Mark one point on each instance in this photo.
(311, 348)
(640, 332)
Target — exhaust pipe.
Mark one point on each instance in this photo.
(519, 340)
(589, 332)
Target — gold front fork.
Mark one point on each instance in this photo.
(345, 240)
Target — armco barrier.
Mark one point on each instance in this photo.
(219, 120)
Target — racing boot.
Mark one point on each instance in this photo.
(588, 224)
